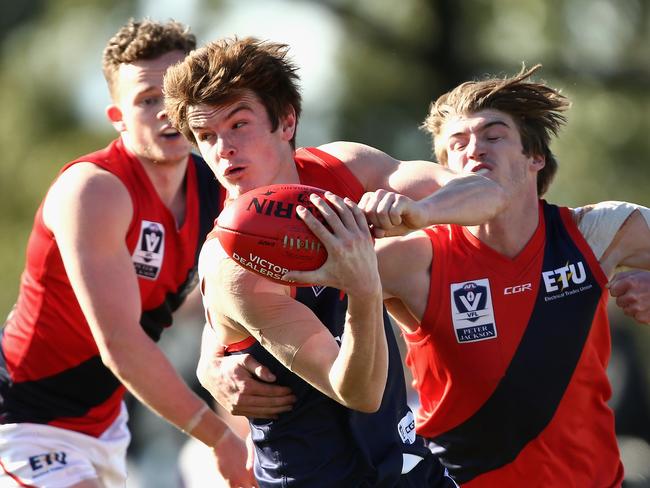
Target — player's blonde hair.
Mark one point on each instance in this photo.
(535, 107)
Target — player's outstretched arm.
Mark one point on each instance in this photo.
(434, 194)
(91, 238)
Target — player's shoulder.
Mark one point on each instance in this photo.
(89, 181)
(600, 222)
(89, 194)
(232, 279)
(610, 213)
(368, 164)
(403, 254)
(353, 152)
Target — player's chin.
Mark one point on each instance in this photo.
(171, 154)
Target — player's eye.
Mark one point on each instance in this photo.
(149, 101)
(458, 146)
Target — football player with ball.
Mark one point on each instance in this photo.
(331, 345)
(506, 322)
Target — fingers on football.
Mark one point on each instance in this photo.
(359, 217)
(313, 223)
(338, 215)
(344, 211)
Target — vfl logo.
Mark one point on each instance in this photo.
(471, 311)
(152, 239)
(48, 460)
(148, 254)
(469, 298)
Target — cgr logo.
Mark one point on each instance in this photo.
(406, 428)
(561, 278)
(511, 290)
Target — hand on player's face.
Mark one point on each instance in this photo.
(391, 214)
(351, 261)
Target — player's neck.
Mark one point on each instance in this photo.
(168, 179)
(510, 231)
(288, 173)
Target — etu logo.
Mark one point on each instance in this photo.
(41, 461)
(559, 279)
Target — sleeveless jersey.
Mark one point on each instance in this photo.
(321, 443)
(50, 368)
(509, 360)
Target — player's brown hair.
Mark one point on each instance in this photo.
(143, 40)
(535, 107)
(221, 71)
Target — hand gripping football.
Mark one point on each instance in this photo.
(261, 231)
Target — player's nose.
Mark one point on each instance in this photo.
(225, 148)
(475, 148)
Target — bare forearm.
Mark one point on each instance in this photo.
(468, 200)
(147, 373)
(358, 375)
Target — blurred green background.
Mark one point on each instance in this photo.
(374, 66)
(369, 68)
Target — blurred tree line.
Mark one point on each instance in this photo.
(393, 58)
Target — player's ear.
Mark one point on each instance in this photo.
(538, 161)
(288, 124)
(114, 114)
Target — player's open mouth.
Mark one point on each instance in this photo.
(169, 132)
(481, 169)
(233, 171)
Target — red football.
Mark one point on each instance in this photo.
(262, 232)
